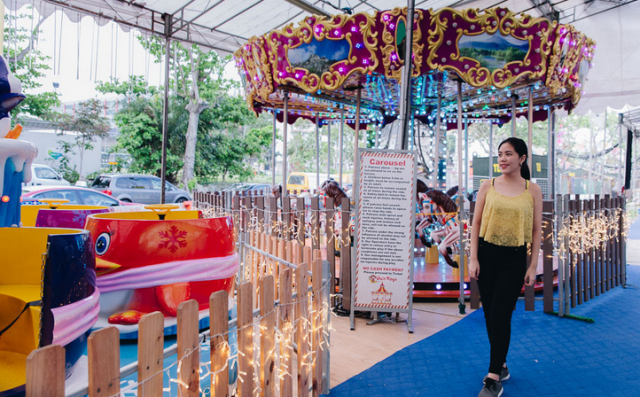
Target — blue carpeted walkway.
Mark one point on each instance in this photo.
(549, 356)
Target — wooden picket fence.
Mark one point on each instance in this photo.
(289, 219)
(282, 327)
(591, 247)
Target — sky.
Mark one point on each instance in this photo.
(89, 53)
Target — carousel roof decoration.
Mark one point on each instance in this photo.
(498, 56)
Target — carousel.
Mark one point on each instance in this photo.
(466, 67)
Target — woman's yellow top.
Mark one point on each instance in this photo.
(507, 221)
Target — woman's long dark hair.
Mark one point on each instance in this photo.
(521, 148)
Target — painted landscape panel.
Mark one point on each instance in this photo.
(493, 51)
(318, 56)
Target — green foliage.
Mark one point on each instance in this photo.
(87, 124)
(29, 65)
(62, 165)
(136, 86)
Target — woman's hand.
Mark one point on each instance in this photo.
(474, 268)
(530, 277)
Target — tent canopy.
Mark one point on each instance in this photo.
(225, 25)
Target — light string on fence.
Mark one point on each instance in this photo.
(281, 353)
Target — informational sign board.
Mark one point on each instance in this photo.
(385, 230)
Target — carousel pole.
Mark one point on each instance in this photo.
(530, 130)
(513, 115)
(273, 169)
(285, 120)
(340, 139)
(328, 150)
(466, 160)
(490, 149)
(165, 106)
(317, 151)
(437, 134)
(406, 78)
(461, 306)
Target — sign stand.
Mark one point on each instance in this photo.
(385, 195)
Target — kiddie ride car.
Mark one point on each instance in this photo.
(153, 260)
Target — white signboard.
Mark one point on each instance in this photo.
(384, 251)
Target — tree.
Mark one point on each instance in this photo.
(28, 64)
(88, 125)
(229, 135)
(197, 77)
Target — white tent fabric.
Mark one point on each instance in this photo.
(224, 25)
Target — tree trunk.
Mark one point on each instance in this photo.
(195, 107)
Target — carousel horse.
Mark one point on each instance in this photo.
(438, 207)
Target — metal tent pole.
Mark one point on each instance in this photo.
(273, 169)
(604, 148)
(317, 151)
(461, 306)
(165, 106)
(340, 145)
(554, 159)
(285, 119)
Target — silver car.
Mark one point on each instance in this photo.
(136, 188)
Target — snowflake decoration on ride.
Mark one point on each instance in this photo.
(173, 239)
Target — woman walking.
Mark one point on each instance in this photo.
(508, 216)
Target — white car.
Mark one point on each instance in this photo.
(43, 175)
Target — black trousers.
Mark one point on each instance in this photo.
(502, 271)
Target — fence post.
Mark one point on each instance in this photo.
(579, 218)
(558, 226)
(273, 210)
(103, 351)
(568, 293)
(315, 222)
(188, 349)
(150, 355)
(345, 254)
(302, 225)
(588, 265)
(245, 339)
(45, 372)
(623, 241)
(605, 254)
(331, 245)
(286, 327)
(286, 218)
(260, 213)
(317, 327)
(267, 341)
(547, 256)
(218, 342)
(597, 254)
(302, 328)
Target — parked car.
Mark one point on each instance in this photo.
(43, 175)
(75, 195)
(136, 188)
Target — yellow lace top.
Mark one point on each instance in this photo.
(507, 221)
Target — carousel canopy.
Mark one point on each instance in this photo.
(505, 61)
(225, 25)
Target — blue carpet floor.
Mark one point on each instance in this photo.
(549, 356)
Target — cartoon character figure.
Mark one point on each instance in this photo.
(147, 262)
(16, 156)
